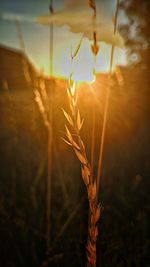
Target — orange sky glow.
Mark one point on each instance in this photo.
(84, 63)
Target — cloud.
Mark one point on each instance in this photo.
(80, 20)
(8, 16)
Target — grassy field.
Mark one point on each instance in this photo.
(123, 229)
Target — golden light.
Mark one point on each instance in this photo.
(83, 74)
(84, 64)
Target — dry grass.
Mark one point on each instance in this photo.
(45, 109)
(75, 141)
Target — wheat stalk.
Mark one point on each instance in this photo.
(75, 141)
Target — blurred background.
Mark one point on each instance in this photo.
(34, 66)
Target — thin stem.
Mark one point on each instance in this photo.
(51, 49)
(20, 36)
(93, 136)
(50, 139)
(101, 148)
(49, 171)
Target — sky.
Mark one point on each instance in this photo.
(72, 19)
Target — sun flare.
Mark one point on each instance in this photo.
(84, 64)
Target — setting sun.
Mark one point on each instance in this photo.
(84, 64)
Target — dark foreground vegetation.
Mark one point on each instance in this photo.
(123, 228)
